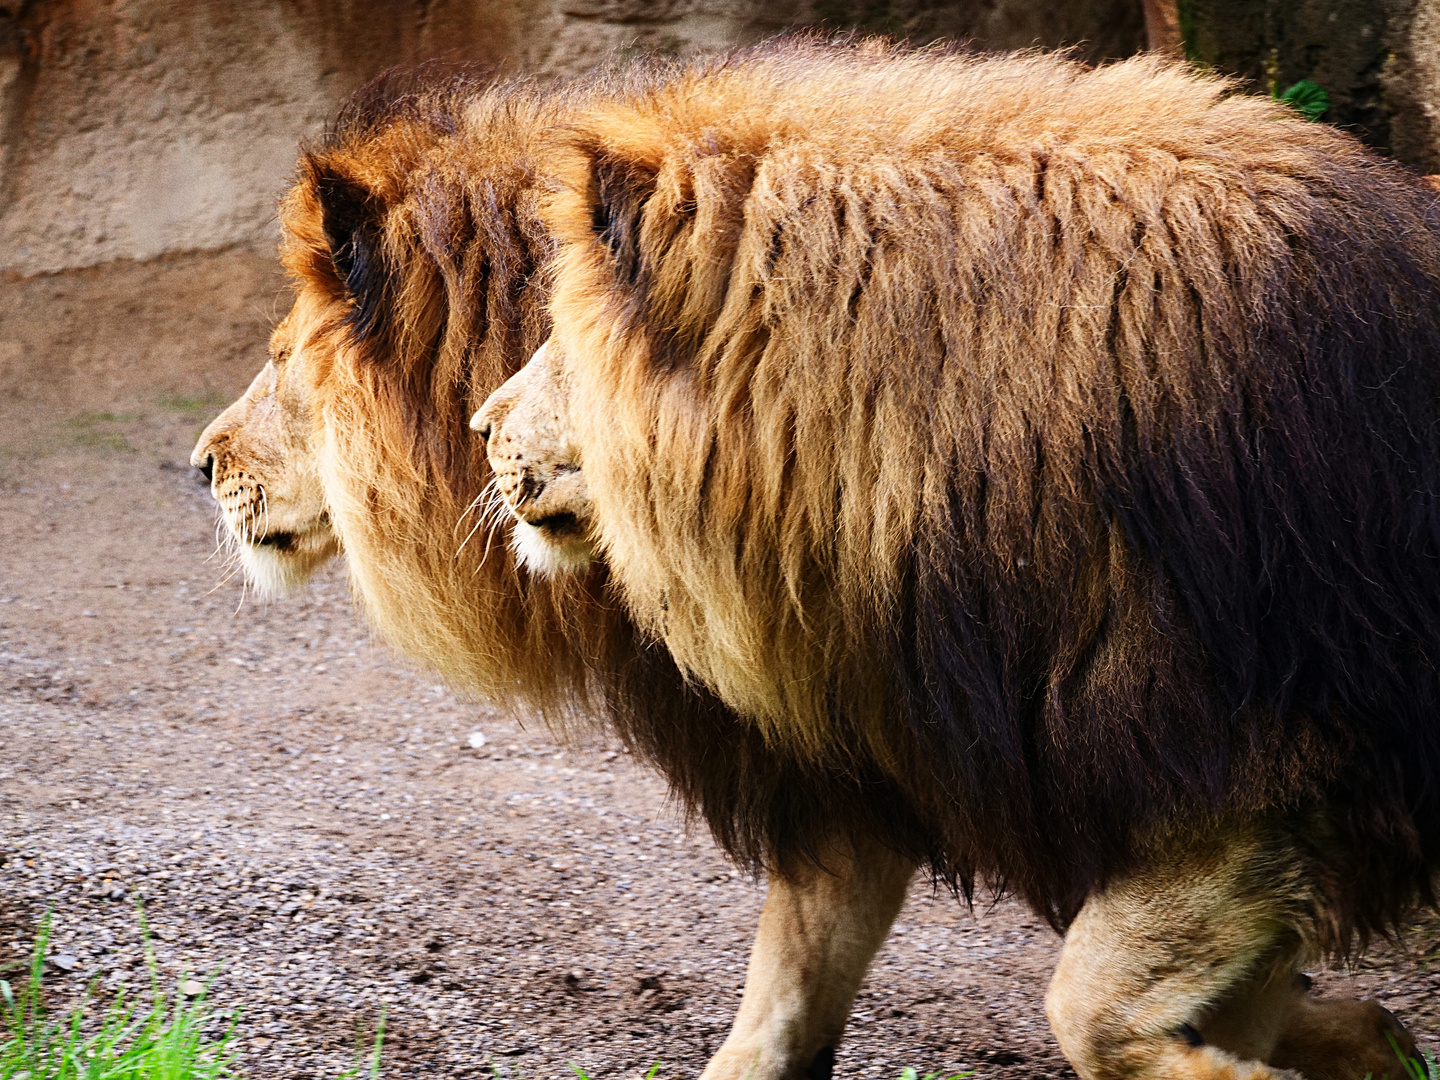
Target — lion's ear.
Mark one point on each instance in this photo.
(620, 188)
(351, 218)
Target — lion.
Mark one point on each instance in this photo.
(412, 240)
(1060, 445)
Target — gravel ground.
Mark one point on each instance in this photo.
(306, 818)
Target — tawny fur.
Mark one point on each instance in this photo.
(1056, 446)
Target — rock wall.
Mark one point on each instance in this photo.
(134, 128)
(1410, 81)
(139, 127)
(1379, 61)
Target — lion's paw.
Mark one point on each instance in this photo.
(747, 1062)
(1346, 1039)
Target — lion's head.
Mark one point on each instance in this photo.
(525, 425)
(412, 242)
(414, 245)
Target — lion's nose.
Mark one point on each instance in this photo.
(502, 400)
(202, 457)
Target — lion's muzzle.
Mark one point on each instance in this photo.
(261, 470)
(537, 474)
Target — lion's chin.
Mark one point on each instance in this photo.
(284, 563)
(544, 553)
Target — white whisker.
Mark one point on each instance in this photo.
(470, 507)
(493, 510)
(479, 522)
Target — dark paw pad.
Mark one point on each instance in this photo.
(821, 1065)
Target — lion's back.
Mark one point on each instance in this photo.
(1070, 441)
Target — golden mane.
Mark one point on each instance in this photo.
(1058, 444)
(413, 240)
(414, 229)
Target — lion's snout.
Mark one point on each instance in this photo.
(258, 462)
(536, 472)
(536, 488)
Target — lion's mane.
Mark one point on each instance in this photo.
(1058, 445)
(413, 227)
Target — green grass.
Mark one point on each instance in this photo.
(164, 1039)
(368, 1065)
(86, 431)
(649, 1075)
(1415, 1070)
(199, 407)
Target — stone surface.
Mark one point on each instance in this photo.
(137, 129)
(1410, 81)
(132, 130)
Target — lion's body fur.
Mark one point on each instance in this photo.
(1055, 451)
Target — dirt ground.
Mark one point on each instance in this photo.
(305, 816)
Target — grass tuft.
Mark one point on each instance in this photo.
(195, 406)
(165, 1039)
(86, 430)
(1421, 1068)
(162, 1041)
(368, 1069)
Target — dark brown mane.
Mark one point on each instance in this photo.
(432, 94)
(1056, 448)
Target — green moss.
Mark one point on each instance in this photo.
(92, 431)
(191, 405)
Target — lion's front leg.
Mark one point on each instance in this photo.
(818, 933)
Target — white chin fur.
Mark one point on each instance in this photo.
(540, 555)
(274, 574)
